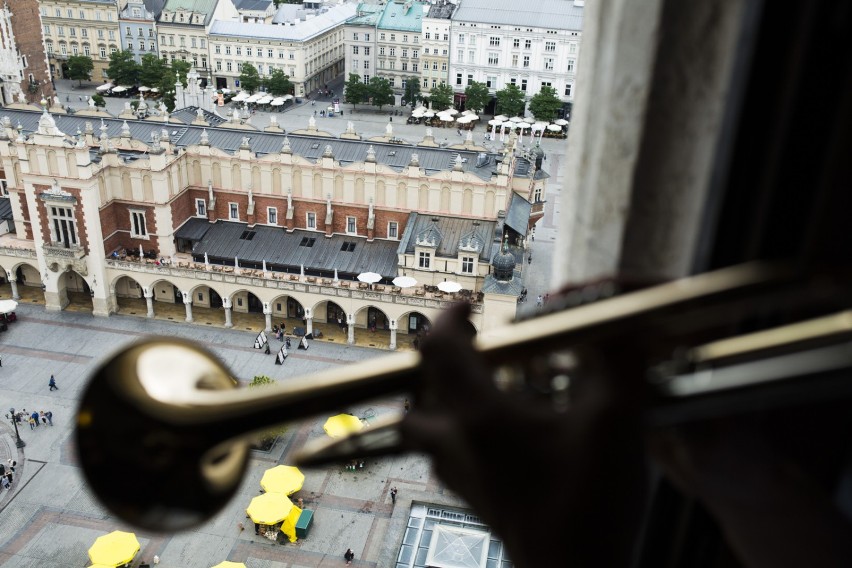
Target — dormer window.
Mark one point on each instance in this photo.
(424, 260)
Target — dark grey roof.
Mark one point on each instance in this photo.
(396, 156)
(511, 288)
(190, 113)
(452, 231)
(5, 208)
(284, 251)
(194, 229)
(252, 5)
(154, 6)
(518, 214)
(441, 10)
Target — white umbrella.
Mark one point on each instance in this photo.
(560, 122)
(7, 306)
(119, 89)
(155, 90)
(288, 97)
(277, 102)
(254, 98)
(473, 116)
(404, 281)
(264, 100)
(495, 122)
(226, 91)
(523, 124)
(450, 111)
(501, 117)
(554, 127)
(464, 120)
(516, 119)
(104, 87)
(369, 277)
(446, 118)
(449, 287)
(240, 97)
(144, 89)
(429, 113)
(417, 113)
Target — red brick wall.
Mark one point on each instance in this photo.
(183, 206)
(115, 223)
(25, 212)
(26, 25)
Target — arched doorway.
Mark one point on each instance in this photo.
(129, 296)
(286, 308)
(247, 311)
(75, 294)
(377, 325)
(412, 328)
(28, 284)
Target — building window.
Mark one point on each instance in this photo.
(366, 37)
(248, 52)
(234, 211)
(366, 65)
(354, 50)
(200, 208)
(137, 225)
(355, 36)
(228, 66)
(227, 50)
(461, 39)
(423, 259)
(311, 221)
(494, 41)
(218, 65)
(493, 59)
(392, 52)
(382, 36)
(568, 89)
(491, 82)
(458, 78)
(217, 49)
(393, 37)
(366, 50)
(269, 53)
(548, 64)
(63, 227)
(572, 48)
(524, 85)
(272, 215)
(550, 46)
(103, 52)
(393, 230)
(366, 78)
(526, 61)
(516, 42)
(239, 50)
(469, 79)
(381, 50)
(467, 265)
(351, 227)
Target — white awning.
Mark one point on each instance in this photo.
(104, 87)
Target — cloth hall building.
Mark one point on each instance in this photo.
(188, 209)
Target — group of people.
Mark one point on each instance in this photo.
(7, 473)
(34, 419)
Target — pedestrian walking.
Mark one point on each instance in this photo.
(1, 361)
(32, 423)
(5, 482)
(35, 417)
(52, 383)
(49, 416)
(42, 417)
(300, 503)
(349, 556)
(393, 495)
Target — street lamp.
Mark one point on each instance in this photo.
(20, 443)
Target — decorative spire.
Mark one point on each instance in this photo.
(459, 165)
(164, 135)
(205, 140)
(285, 146)
(328, 153)
(210, 189)
(371, 154)
(244, 145)
(125, 130)
(415, 161)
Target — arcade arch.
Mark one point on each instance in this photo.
(21, 281)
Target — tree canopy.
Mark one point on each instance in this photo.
(441, 97)
(80, 68)
(181, 68)
(380, 91)
(476, 96)
(354, 91)
(545, 105)
(511, 101)
(249, 78)
(151, 70)
(412, 91)
(123, 69)
(278, 83)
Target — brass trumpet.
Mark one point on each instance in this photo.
(163, 434)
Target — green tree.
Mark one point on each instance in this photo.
(151, 70)
(511, 101)
(412, 91)
(380, 91)
(123, 69)
(249, 78)
(354, 91)
(267, 437)
(180, 68)
(278, 83)
(166, 86)
(476, 96)
(80, 68)
(441, 97)
(544, 105)
(99, 100)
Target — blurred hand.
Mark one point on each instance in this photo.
(557, 486)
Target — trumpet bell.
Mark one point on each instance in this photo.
(147, 450)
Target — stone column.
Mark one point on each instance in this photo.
(14, 283)
(149, 300)
(393, 326)
(350, 335)
(187, 303)
(226, 303)
(267, 311)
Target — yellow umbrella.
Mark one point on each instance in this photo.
(227, 564)
(282, 479)
(114, 549)
(342, 425)
(269, 508)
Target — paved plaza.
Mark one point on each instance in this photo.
(50, 518)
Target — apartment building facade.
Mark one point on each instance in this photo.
(436, 45)
(359, 37)
(183, 29)
(137, 22)
(80, 27)
(398, 42)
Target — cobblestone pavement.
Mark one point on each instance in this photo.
(49, 518)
